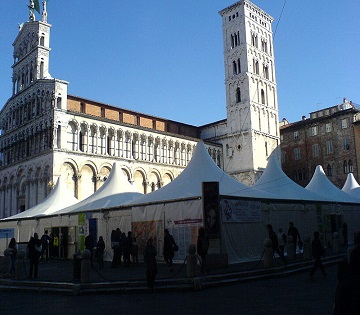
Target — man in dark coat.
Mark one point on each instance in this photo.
(275, 243)
(317, 251)
(169, 245)
(34, 248)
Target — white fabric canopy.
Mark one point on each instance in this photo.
(59, 198)
(188, 184)
(276, 182)
(321, 185)
(351, 186)
(114, 192)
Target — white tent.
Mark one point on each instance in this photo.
(188, 184)
(114, 192)
(321, 185)
(351, 186)
(276, 182)
(59, 198)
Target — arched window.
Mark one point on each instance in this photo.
(346, 167)
(262, 97)
(238, 95)
(351, 168)
(234, 68)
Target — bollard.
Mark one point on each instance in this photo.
(307, 248)
(336, 243)
(5, 262)
(291, 248)
(19, 265)
(191, 261)
(85, 266)
(268, 253)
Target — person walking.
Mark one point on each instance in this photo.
(202, 247)
(45, 240)
(281, 240)
(318, 251)
(34, 248)
(294, 232)
(135, 252)
(169, 249)
(116, 246)
(99, 254)
(89, 243)
(128, 241)
(275, 244)
(13, 251)
(151, 269)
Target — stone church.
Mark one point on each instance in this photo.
(47, 133)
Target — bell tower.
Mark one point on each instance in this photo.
(31, 51)
(251, 95)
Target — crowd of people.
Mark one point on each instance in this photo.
(126, 250)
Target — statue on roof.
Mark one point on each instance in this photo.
(44, 13)
(34, 5)
(31, 7)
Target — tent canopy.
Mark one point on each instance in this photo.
(321, 185)
(114, 192)
(276, 182)
(188, 184)
(351, 186)
(59, 198)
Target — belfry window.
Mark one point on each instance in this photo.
(238, 95)
(262, 97)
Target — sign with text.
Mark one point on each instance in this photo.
(7, 233)
(240, 211)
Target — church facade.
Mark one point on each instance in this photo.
(47, 133)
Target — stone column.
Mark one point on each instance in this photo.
(307, 248)
(85, 266)
(291, 248)
(19, 265)
(268, 253)
(336, 243)
(191, 261)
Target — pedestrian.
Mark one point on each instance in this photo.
(169, 249)
(12, 252)
(127, 244)
(90, 242)
(348, 290)
(45, 240)
(318, 251)
(202, 248)
(135, 252)
(116, 247)
(34, 248)
(294, 232)
(345, 233)
(51, 246)
(281, 240)
(150, 263)
(99, 254)
(275, 244)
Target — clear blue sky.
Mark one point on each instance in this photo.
(165, 57)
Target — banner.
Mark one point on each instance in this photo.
(240, 211)
(7, 233)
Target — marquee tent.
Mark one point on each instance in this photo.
(114, 192)
(351, 186)
(275, 181)
(59, 198)
(188, 184)
(321, 185)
